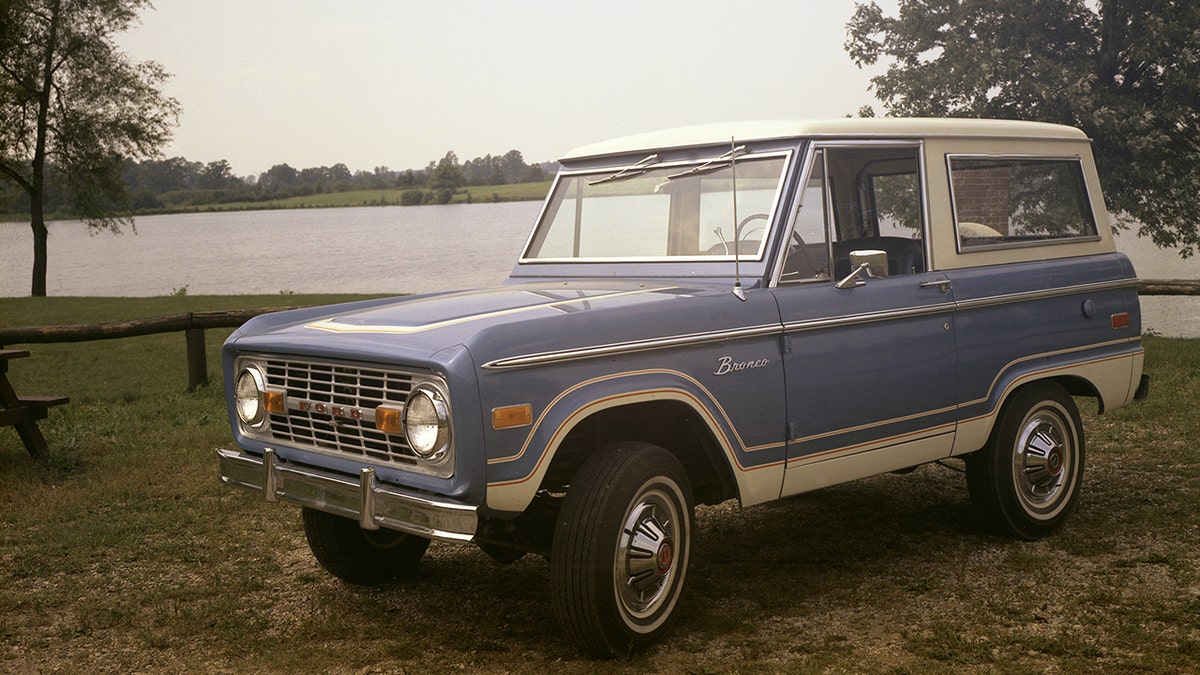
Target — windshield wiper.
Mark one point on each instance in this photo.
(714, 164)
(630, 171)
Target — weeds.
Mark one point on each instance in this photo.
(123, 553)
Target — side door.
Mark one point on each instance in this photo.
(869, 354)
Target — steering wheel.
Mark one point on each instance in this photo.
(745, 236)
(725, 247)
(798, 264)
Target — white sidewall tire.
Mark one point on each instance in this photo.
(1027, 480)
(621, 549)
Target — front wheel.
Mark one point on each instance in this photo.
(621, 548)
(363, 557)
(1027, 479)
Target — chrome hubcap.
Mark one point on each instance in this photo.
(646, 554)
(1043, 462)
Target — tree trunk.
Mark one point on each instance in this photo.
(38, 223)
(36, 189)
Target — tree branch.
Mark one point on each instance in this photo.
(15, 176)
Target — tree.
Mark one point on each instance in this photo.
(72, 104)
(340, 173)
(216, 176)
(447, 175)
(162, 175)
(1127, 72)
(278, 177)
(512, 166)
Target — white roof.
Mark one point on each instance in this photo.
(849, 127)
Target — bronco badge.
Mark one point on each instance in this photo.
(726, 365)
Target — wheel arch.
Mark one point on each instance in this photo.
(670, 423)
(1079, 386)
(661, 407)
(1072, 385)
(1105, 378)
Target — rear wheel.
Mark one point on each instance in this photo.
(1027, 480)
(621, 548)
(364, 557)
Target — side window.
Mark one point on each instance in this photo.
(1003, 202)
(897, 202)
(858, 198)
(877, 206)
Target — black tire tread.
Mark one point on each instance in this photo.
(345, 551)
(576, 548)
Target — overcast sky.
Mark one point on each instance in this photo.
(398, 83)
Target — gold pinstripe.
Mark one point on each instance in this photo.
(649, 371)
(332, 326)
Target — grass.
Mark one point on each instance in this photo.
(384, 197)
(516, 192)
(124, 553)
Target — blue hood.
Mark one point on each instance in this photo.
(498, 322)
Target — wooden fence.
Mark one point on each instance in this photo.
(1168, 287)
(193, 325)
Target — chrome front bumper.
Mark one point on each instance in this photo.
(365, 500)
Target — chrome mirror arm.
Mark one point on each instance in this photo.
(852, 278)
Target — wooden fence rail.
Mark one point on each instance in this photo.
(193, 324)
(1168, 287)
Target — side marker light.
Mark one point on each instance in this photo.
(512, 416)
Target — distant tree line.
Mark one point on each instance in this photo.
(167, 184)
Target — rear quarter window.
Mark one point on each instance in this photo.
(1003, 202)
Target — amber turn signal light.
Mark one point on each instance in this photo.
(389, 420)
(512, 416)
(276, 401)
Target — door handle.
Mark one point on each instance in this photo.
(943, 284)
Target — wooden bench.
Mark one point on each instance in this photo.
(23, 412)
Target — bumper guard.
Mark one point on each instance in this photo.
(373, 505)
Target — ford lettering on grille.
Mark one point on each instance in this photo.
(331, 408)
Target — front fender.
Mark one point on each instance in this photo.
(515, 477)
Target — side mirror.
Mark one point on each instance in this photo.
(873, 263)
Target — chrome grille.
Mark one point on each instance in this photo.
(331, 408)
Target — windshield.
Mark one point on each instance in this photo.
(651, 212)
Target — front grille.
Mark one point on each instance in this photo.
(331, 408)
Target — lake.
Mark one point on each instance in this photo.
(389, 249)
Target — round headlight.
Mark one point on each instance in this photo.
(426, 422)
(247, 396)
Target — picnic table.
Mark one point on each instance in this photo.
(23, 412)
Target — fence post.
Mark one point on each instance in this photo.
(197, 360)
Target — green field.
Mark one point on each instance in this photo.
(518, 192)
(124, 554)
(391, 197)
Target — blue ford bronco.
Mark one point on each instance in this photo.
(744, 311)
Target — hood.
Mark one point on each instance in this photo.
(501, 322)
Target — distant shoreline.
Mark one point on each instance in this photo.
(475, 194)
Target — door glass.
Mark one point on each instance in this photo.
(876, 196)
